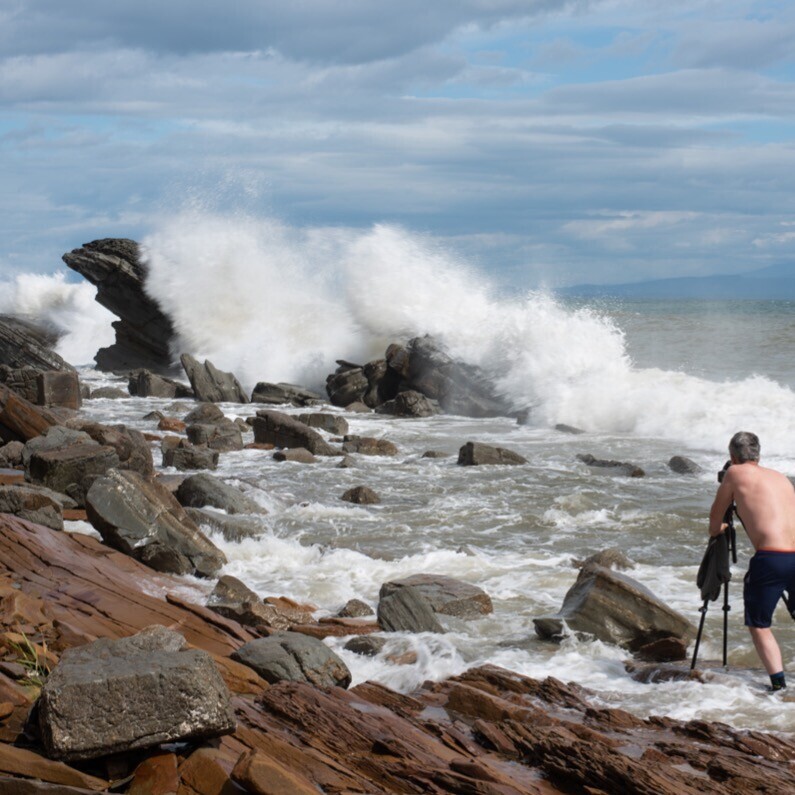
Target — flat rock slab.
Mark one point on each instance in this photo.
(294, 657)
(23, 762)
(280, 429)
(114, 696)
(279, 394)
(407, 610)
(445, 594)
(477, 454)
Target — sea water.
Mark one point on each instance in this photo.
(644, 380)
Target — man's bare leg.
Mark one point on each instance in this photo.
(767, 649)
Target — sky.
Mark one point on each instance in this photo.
(545, 142)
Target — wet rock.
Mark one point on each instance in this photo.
(185, 456)
(31, 505)
(563, 428)
(361, 495)
(615, 609)
(144, 383)
(435, 454)
(366, 645)
(445, 594)
(143, 332)
(299, 455)
(24, 344)
(654, 673)
(129, 444)
(144, 520)
(477, 454)
(347, 462)
(357, 407)
(116, 696)
(171, 424)
(232, 528)
(347, 385)
(204, 414)
(367, 445)
(280, 394)
(11, 454)
(409, 404)
(614, 467)
(355, 608)
(198, 491)
(234, 599)
(20, 420)
(294, 657)
(684, 466)
(331, 423)
(273, 427)
(54, 388)
(154, 415)
(407, 610)
(223, 436)
(663, 650)
(108, 393)
(210, 385)
(612, 558)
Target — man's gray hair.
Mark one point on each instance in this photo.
(744, 446)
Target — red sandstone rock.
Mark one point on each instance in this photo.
(21, 417)
(171, 424)
(156, 775)
(264, 775)
(21, 762)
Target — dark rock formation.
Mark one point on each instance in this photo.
(347, 385)
(143, 519)
(361, 495)
(143, 332)
(284, 431)
(24, 344)
(445, 594)
(331, 423)
(223, 436)
(144, 383)
(198, 491)
(614, 467)
(11, 454)
(186, 457)
(407, 610)
(289, 656)
(211, 385)
(280, 394)
(409, 404)
(615, 609)
(117, 695)
(477, 454)
(355, 608)
(684, 466)
(367, 445)
(570, 429)
(108, 393)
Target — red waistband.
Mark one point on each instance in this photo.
(771, 549)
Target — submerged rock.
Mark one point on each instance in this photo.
(279, 429)
(407, 610)
(477, 454)
(684, 466)
(361, 495)
(200, 490)
(367, 445)
(614, 467)
(299, 455)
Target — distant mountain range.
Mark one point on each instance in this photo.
(773, 282)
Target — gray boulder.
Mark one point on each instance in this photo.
(32, 505)
(570, 429)
(477, 454)
(200, 490)
(294, 657)
(186, 457)
(108, 393)
(113, 696)
(613, 467)
(347, 385)
(355, 608)
(144, 520)
(366, 645)
(233, 599)
(130, 445)
(273, 427)
(299, 455)
(204, 414)
(210, 385)
(280, 394)
(615, 609)
(58, 437)
(684, 466)
(445, 594)
(367, 445)
(407, 610)
(361, 495)
(11, 453)
(145, 383)
(410, 404)
(331, 423)
(223, 436)
(232, 528)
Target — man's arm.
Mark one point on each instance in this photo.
(723, 499)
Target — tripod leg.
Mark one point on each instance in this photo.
(703, 611)
(726, 608)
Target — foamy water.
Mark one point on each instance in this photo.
(270, 302)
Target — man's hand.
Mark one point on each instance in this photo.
(723, 528)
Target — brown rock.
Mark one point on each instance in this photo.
(58, 388)
(366, 445)
(264, 775)
(282, 430)
(21, 417)
(297, 454)
(156, 775)
(259, 446)
(11, 477)
(22, 762)
(171, 424)
(204, 772)
(361, 495)
(355, 608)
(663, 650)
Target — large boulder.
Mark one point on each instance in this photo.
(223, 436)
(143, 332)
(204, 414)
(347, 385)
(477, 454)
(44, 387)
(615, 609)
(280, 394)
(114, 696)
(11, 454)
(445, 594)
(410, 404)
(198, 491)
(31, 504)
(210, 385)
(331, 423)
(24, 344)
(361, 495)
(130, 445)
(683, 465)
(145, 383)
(185, 457)
(144, 520)
(58, 437)
(282, 430)
(407, 610)
(294, 657)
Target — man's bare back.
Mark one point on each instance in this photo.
(765, 502)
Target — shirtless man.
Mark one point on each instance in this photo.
(765, 501)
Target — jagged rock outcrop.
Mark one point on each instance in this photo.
(25, 344)
(143, 332)
(113, 696)
(211, 385)
(615, 609)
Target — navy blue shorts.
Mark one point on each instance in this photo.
(770, 574)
